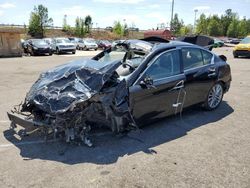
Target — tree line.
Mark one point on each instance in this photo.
(40, 21)
(229, 24)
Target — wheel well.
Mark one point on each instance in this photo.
(223, 85)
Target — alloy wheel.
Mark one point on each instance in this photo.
(215, 96)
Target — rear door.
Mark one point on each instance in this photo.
(160, 99)
(200, 72)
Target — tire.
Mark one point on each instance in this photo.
(50, 54)
(57, 51)
(74, 52)
(214, 97)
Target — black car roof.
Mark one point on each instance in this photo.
(171, 44)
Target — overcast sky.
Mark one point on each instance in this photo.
(144, 14)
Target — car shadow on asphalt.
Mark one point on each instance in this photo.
(108, 147)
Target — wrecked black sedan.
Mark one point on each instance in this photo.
(122, 88)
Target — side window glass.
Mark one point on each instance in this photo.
(207, 57)
(167, 64)
(192, 58)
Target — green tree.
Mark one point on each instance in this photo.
(243, 28)
(214, 26)
(125, 30)
(176, 25)
(201, 27)
(226, 20)
(65, 26)
(79, 27)
(118, 28)
(186, 30)
(39, 21)
(233, 30)
(88, 22)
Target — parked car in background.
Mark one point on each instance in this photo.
(243, 48)
(218, 43)
(80, 45)
(48, 40)
(114, 43)
(75, 41)
(235, 41)
(90, 44)
(104, 44)
(62, 45)
(37, 47)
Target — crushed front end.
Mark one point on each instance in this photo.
(71, 99)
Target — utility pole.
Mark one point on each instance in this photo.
(195, 13)
(172, 16)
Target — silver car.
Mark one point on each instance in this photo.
(90, 44)
(62, 45)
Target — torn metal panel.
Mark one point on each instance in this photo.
(74, 97)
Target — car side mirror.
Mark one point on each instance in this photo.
(147, 82)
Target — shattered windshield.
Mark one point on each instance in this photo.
(131, 53)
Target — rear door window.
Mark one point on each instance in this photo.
(207, 57)
(192, 58)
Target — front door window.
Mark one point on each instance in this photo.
(165, 65)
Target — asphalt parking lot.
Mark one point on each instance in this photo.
(201, 149)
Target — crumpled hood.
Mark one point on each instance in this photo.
(61, 88)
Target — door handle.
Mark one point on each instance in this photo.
(212, 69)
(179, 85)
(212, 74)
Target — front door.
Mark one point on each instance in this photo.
(152, 102)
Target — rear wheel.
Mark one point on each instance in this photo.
(214, 97)
(73, 52)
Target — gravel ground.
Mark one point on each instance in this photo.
(201, 149)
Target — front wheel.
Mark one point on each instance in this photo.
(214, 97)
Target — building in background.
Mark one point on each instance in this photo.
(10, 43)
(164, 34)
